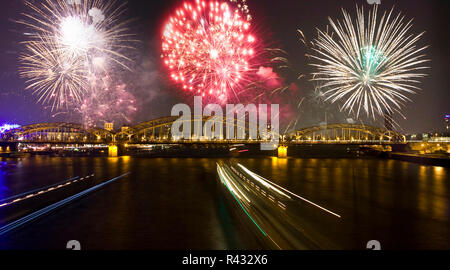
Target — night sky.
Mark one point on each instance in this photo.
(276, 22)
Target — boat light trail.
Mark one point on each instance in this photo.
(263, 181)
(222, 176)
(31, 217)
(36, 192)
(271, 185)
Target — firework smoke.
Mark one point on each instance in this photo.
(109, 101)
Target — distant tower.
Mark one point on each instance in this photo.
(447, 121)
(109, 126)
(388, 121)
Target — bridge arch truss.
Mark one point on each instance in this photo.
(348, 133)
(160, 129)
(58, 132)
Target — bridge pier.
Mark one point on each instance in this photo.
(6, 147)
(113, 150)
(282, 152)
(116, 149)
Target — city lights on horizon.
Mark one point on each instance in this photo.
(7, 127)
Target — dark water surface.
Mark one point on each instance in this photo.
(172, 203)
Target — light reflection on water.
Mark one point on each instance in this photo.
(404, 204)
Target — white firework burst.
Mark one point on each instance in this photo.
(69, 41)
(370, 65)
(57, 79)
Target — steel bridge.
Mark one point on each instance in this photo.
(154, 131)
(348, 134)
(159, 131)
(57, 133)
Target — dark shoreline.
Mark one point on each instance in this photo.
(425, 160)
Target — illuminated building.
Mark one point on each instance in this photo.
(109, 126)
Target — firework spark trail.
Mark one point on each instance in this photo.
(243, 7)
(57, 79)
(70, 41)
(369, 66)
(208, 48)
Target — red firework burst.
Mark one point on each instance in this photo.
(208, 48)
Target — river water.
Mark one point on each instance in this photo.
(179, 203)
